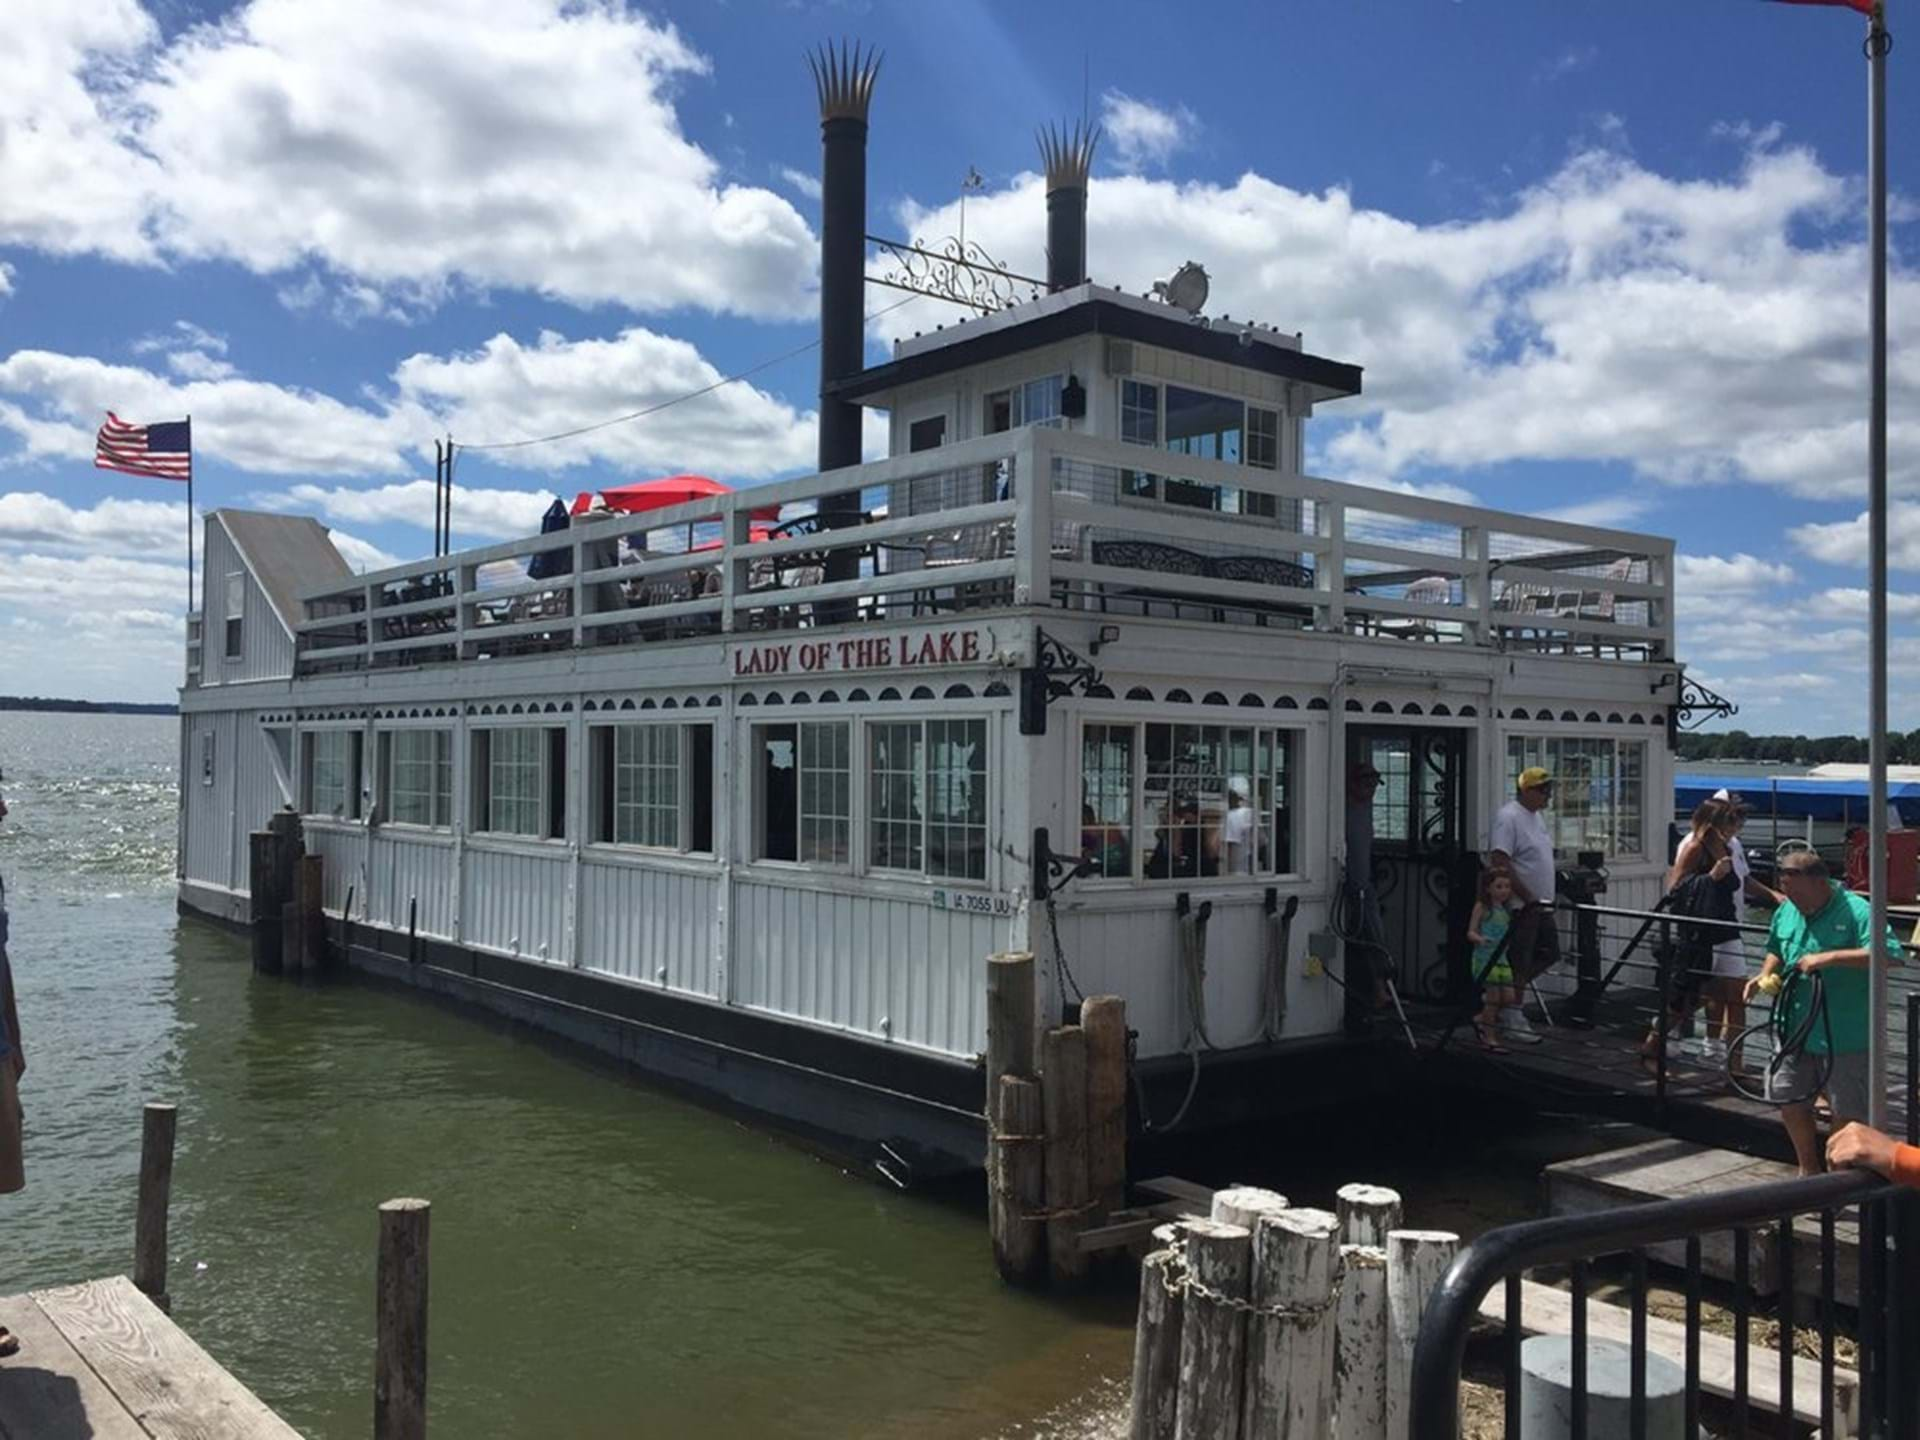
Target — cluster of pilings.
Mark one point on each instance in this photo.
(1266, 1321)
(1057, 1112)
(286, 914)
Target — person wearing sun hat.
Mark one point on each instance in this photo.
(1522, 845)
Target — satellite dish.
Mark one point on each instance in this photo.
(1186, 290)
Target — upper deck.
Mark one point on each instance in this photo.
(1116, 530)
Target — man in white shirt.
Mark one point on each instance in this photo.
(1522, 846)
(1236, 830)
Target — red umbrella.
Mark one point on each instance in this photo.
(658, 494)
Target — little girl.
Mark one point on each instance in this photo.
(1485, 931)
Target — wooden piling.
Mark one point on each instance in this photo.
(1296, 1267)
(1064, 1086)
(1368, 1214)
(1104, 1018)
(1416, 1259)
(1245, 1204)
(1360, 1345)
(291, 950)
(400, 1357)
(1156, 1351)
(150, 1214)
(310, 896)
(1017, 1182)
(263, 912)
(1010, 1017)
(1213, 1332)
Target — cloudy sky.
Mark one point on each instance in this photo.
(1601, 258)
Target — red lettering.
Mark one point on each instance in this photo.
(970, 646)
(947, 657)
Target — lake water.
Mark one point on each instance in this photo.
(606, 1261)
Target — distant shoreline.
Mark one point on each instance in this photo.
(83, 707)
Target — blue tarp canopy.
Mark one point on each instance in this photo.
(1798, 796)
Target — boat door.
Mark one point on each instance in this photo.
(1423, 870)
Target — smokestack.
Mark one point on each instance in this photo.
(1068, 157)
(844, 80)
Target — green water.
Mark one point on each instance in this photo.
(606, 1261)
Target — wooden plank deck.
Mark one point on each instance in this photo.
(100, 1361)
(1672, 1169)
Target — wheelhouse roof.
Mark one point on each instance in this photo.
(1089, 309)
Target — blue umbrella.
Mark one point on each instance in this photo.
(550, 564)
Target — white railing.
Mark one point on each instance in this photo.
(1116, 529)
(195, 648)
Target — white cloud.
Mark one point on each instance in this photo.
(486, 514)
(362, 555)
(1718, 575)
(6, 278)
(1847, 604)
(1607, 511)
(800, 180)
(1143, 134)
(1567, 62)
(538, 149)
(109, 527)
(1692, 330)
(1844, 542)
(505, 390)
(181, 335)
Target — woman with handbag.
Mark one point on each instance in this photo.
(1701, 890)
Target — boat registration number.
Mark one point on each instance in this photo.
(973, 902)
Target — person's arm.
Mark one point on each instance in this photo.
(1474, 937)
(1836, 960)
(13, 1029)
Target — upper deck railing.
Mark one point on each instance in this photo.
(1116, 530)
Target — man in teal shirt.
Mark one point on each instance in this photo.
(1823, 930)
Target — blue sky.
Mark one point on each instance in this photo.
(1599, 257)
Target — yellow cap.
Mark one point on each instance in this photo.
(1533, 775)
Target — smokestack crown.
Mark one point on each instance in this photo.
(1068, 155)
(844, 80)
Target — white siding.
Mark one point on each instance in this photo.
(1135, 953)
(266, 651)
(408, 868)
(344, 848)
(853, 961)
(638, 920)
(515, 901)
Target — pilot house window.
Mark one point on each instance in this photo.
(1599, 793)
(1202, 800)
(520, 779)
(333, 773)
(805, 792)
(927, 797)
(419, 776)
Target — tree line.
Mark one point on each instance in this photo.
(83, 707)
(1795, 749)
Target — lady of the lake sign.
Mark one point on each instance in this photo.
(911, 650)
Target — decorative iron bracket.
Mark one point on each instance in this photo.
(1057, 672)
(1051, 871)
(1696, 705)
(957, 271)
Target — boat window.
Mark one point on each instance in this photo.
(927, 434)
(206, 758)
(1140, 425)
(805, 800)
(520, 778)
(417, 768)
(1036, 402)
(236, 613)
(1599, 795)
(333, 774)
(927, 797)
(1210, 800)
(653, 786)
(1106, 800)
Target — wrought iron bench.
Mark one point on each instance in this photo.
(1173, 560)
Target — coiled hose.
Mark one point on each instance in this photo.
(1787, 1045)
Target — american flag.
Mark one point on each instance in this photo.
(163, 451)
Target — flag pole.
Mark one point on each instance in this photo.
(1878, 43)
(190, 526)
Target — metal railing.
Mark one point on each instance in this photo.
(1109, 527)
(1886, 1402)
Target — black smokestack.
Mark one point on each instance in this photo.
(1068, 157)
(844, 80)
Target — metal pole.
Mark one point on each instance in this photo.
(203, 622)
(1878, 43)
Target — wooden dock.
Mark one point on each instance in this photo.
(1673, 1169)
(100, 1361)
